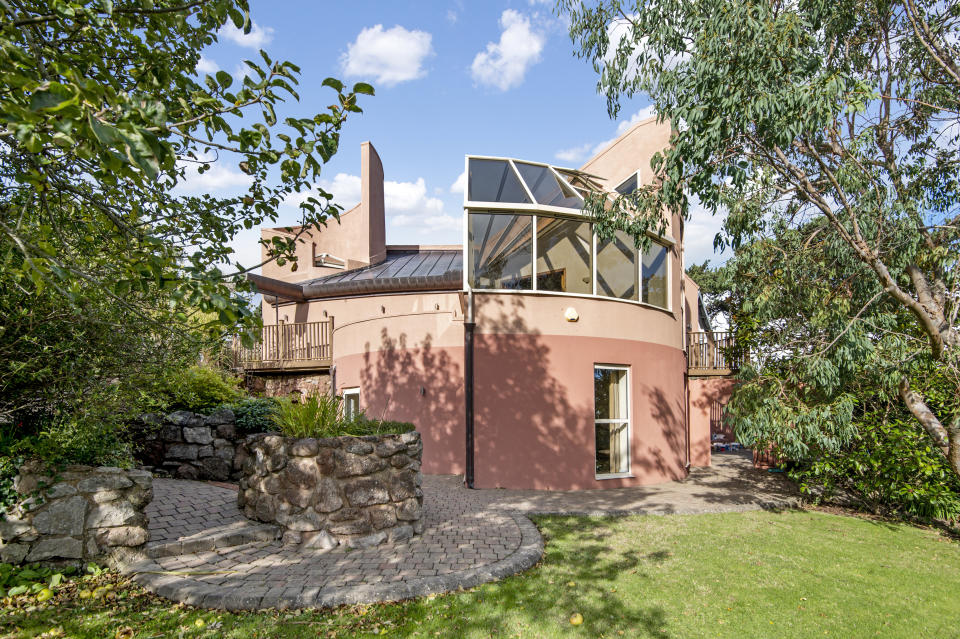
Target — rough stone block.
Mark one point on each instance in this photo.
(366, 491)
(197, 434)
(63, 517)
(353, 527)
(214, 468)
(403, 485)
(327, 496)
(319, 541)
(59, 490)
(186, 471)
(399, 461)
(184, 418)
(54, 547)
(272, 484)
(390, 446)
(103, 496)
(104, 482)
(298, 496)
(383, 516)
(349, 465)
(12, 528)
(118, 513)
(171, 433)
(291, 537)
(306, 521)
(204, 451)
(328, 442)
(128, 536)
(307, 447)
(187, 452)
(220, 417)
(227, 431)
(302, 471)
(13, 553)
(358, 446)
(276, 461)
(408, 510)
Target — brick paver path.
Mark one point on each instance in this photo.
(205, 553)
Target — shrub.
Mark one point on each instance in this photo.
(890, 467)
(254, 414)
(321, 415)
(199, 389)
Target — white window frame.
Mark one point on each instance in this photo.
(350, 392)
(627, 420)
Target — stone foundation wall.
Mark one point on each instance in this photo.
(287, 384)
(78, 513)
(190, 446)
(357, 491)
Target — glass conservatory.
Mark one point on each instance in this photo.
(526, 232)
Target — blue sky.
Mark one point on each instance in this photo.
(452, 78)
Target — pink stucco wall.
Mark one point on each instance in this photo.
(705, 393)
(534, 411)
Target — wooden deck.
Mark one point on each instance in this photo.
(306, 346)
(711, 354)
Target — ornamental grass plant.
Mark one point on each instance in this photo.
(322, 415)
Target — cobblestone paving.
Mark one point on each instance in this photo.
(181, 509)
(464, 543)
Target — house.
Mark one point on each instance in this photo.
(535, 355)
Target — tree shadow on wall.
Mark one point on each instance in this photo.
(422, 385)
(670, 418)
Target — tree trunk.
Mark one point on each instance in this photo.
(948, 439)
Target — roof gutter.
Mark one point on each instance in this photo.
(278, 288)
(451, 281)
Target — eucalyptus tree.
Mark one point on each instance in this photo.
(827, 134)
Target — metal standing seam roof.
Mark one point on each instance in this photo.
(402, 271)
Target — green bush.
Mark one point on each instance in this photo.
(199, 389)
(890, 467)
(321, 415)
(254, 414)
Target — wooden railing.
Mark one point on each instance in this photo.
(288, 346)
(711, 353)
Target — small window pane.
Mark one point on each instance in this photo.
(545, 187)
(564, 250)
(628, 186)
(617, 273)
(500, 251)
(610, 393)
(654, 284)
(612, 449)
(494, 181)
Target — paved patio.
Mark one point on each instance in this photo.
(205, 553)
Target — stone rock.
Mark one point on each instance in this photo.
(273, 443)
(304, 447)
(204, 451)
(242, 458)
(272, 484)
(103, 496)
(171, 433)
(409, 510)
(399, 461)
(92, 549)
(184, 418)
(366, 541)
(418, 527)
(266, 508)
(63, 517)
(220, 417)
(114, 470)
(350, 465)
(128, 536)
(327, 496)
(357, 446)
(26, 483)
(104, 482)
(306, 521)
(183, 451)
(403, 485)
(119, 513)
(389, 447)
(186, 471)
(197, 434)
(140, 496)
(227, 431)
(320, 541)
(409, 438)
(51, 547)
(12, 528)
(382, 516)
(276, 461)
(291, 537)
(328, 442)
(302, 471)
(13, 553)
(299, 497)
(326, 461)
(59, 490)
(366, 491)
(214, 468)
(141, 478)
(352, 527)
(151, 419)
(400, 533)
(346, 514)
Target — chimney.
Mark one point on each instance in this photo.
(371, 205)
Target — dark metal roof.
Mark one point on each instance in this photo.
(402, 271)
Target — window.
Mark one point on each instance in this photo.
(494, 181)
(564, 260)
(611, 398)
(617, 269)
(500, 251)
(546, 188)
(351, 403)
(628, 186)
(654, 276)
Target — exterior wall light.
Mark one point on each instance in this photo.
(571, 314)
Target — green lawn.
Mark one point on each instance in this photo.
(792, 574)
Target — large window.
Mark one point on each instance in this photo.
(654, 284)
(564, 256)
(494, 181)
(611, 393)
(617, 270)
(500, 251)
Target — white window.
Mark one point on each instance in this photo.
(611, 398)
(351, 402)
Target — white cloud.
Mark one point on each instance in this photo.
(218, 178)
(574, 154)
(344, 187)
(698, 233)
(460, 184)
(206, 65)
(256, 39)
(582, 152)
(387, 57)
(504, 64)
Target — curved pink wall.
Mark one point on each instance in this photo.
(534, 416)
(705, 392)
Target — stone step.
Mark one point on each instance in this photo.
(224, 537)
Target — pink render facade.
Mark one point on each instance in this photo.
(576, 381)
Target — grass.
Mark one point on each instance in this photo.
(759, 574)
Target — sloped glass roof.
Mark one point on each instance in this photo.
(517, 182)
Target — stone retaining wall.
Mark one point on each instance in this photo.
(186, 445)
(78, 513)
(357, 491)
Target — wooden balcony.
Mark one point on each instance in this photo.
(711, 353)
(306, 346)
